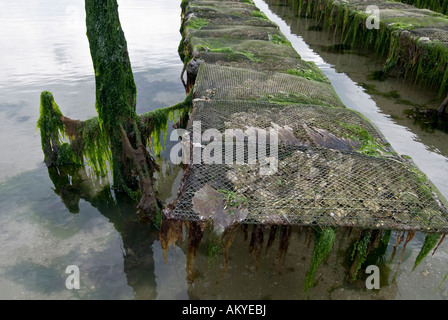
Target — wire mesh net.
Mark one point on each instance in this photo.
(228, 83)
(329, 183)
(296, 124)
(249, 54)
(221, 13)
(282, 148)
(419, 22)
(314, 186)
(237, 34)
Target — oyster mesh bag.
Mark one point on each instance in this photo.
(329, 167)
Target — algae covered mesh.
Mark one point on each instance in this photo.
(333, 168)
(276, 144)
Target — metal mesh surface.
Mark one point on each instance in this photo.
(331, 183)
(330, 167)
(320, 186)
(297, 124)
(227, 83)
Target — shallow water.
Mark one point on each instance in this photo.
(43, 47)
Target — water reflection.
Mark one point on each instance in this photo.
(40, 238)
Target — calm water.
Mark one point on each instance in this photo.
(43, 47)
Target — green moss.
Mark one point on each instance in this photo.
(248, 55)
(233, 200)
(423, 182)
(96, 144)
(324, 240)
(309, 74)
(401, 26)
(51, 127)
(92, 148)
(359, 253)
(184, 4)
(259, 14)
(115, 89)
(66, 155)
(288, 98)
(278, 39)
(368, 145)
(196, 23)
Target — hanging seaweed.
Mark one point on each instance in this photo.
(398, 239)
(430, 242)
(154, 124)
(425, 62)
(324, 240)
(360, 252)
(440, 6)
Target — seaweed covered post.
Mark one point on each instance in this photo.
(115, 89)
(118, 136)
(116, 96)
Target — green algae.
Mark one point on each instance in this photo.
(431, 240)
(324, 240)
(359, 253)
(248, 55)
(313, 73)
(115, 89)
(278, 39)
(51, 127)
(440, 6)
(96, 149)
(156, 122)
(196, 23)
(424, 62)
(288, 98)
(368, 145)
(88, 143)
(259, 14)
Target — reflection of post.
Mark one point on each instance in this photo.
(137, 236)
